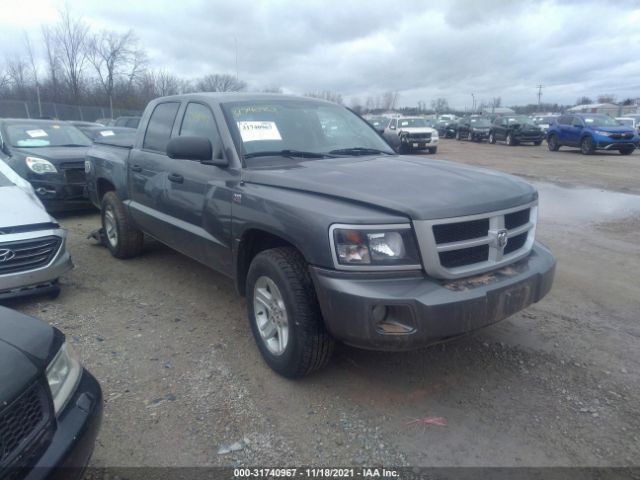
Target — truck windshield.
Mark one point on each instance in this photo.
(34, 135)
(317, 129)
(412, 122)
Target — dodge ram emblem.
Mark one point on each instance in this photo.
(502, 238)
(6, 255)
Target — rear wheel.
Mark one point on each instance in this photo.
(552, 143)
(492, 138)
(627, 150)
(121, 238)
(284, 313)
(470, 136)
(510, 140)
(586, 146)
(457, 135)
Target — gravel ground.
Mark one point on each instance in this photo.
(555, 385)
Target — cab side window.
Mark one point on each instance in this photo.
(198, 121)
(577, 122)
(160, 125)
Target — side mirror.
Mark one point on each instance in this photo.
(196, 149)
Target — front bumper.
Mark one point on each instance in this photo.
(420, 144)
(607, 143)
(525, 138)
(77, 428)
(39, 280)
(57, 192)
(427, 310)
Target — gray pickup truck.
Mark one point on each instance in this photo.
(327, 231)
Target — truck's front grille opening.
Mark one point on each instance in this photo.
(457, 232)
(478, 243)
(465, 256)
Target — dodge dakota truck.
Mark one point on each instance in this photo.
(329, 233)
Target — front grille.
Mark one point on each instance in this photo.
(455, 248)
(23, 425)
(421, 137)
(75, 176)
(23, 255)
(619, 136)
(464, 256)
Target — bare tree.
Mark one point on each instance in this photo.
(34, 70)
(440, 105)
(496, 102)
(328, 95)
(71, 36)
(18, 74)
(52, 59)
(220, 83)
(356, 105)
(606, 98)
(111, 55)
(272, 89)
(583, 101)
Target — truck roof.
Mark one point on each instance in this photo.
(223, 97)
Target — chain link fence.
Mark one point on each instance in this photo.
(59, 111)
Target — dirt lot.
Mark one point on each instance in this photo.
(557, 384)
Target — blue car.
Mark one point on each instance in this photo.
(591, 132)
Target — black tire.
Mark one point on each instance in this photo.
(510, 140)
(470, 136)
(54, 293)
(627, 150)
(537, 143)
(309, 346)
(492, 138)
(433, 150)
(586, 145)
(457, 135)
(401, 148)
(128, 240)
(552, 143)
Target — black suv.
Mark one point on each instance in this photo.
(515, 129)
(50, 407)
(473, 128)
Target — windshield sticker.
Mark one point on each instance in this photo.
(107, 133)
(588, 120)
(252, 131)
(404, 124)
(240, 111)
(37, 133)
(55, 126)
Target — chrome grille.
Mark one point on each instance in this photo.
(23, 255)
(462, 246)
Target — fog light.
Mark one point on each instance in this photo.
(379, 313)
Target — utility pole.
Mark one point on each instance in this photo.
(236, 45)
(540, 87)
(473, 103)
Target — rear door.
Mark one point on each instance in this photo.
(148, 171)
(500, 128)
(197, 201)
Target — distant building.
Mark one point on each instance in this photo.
(497, 111)
(606, 108)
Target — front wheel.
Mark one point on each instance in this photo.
(121, 238)
(284, 313)
(586, 146)
(552, 143)
(470, 136)
(457, 135)
(627, 150)
(492, 138)
(510, 140)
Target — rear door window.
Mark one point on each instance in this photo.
(160, 125)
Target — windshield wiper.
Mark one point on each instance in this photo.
(358, 151)
(288, 153)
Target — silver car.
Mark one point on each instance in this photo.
(33, 253)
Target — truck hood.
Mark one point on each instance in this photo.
(417, 129)
(21, 207)
(26, 345)
(422, 189)
(55, 155)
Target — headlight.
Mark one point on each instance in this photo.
(63, 374)
(374, 246)
(40, 165)
(602, 132)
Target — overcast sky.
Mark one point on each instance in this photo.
(422, 49)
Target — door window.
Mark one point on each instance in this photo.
(198, 121)
(160, 125)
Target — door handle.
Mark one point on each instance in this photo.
(174, 177)
(136, 168)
